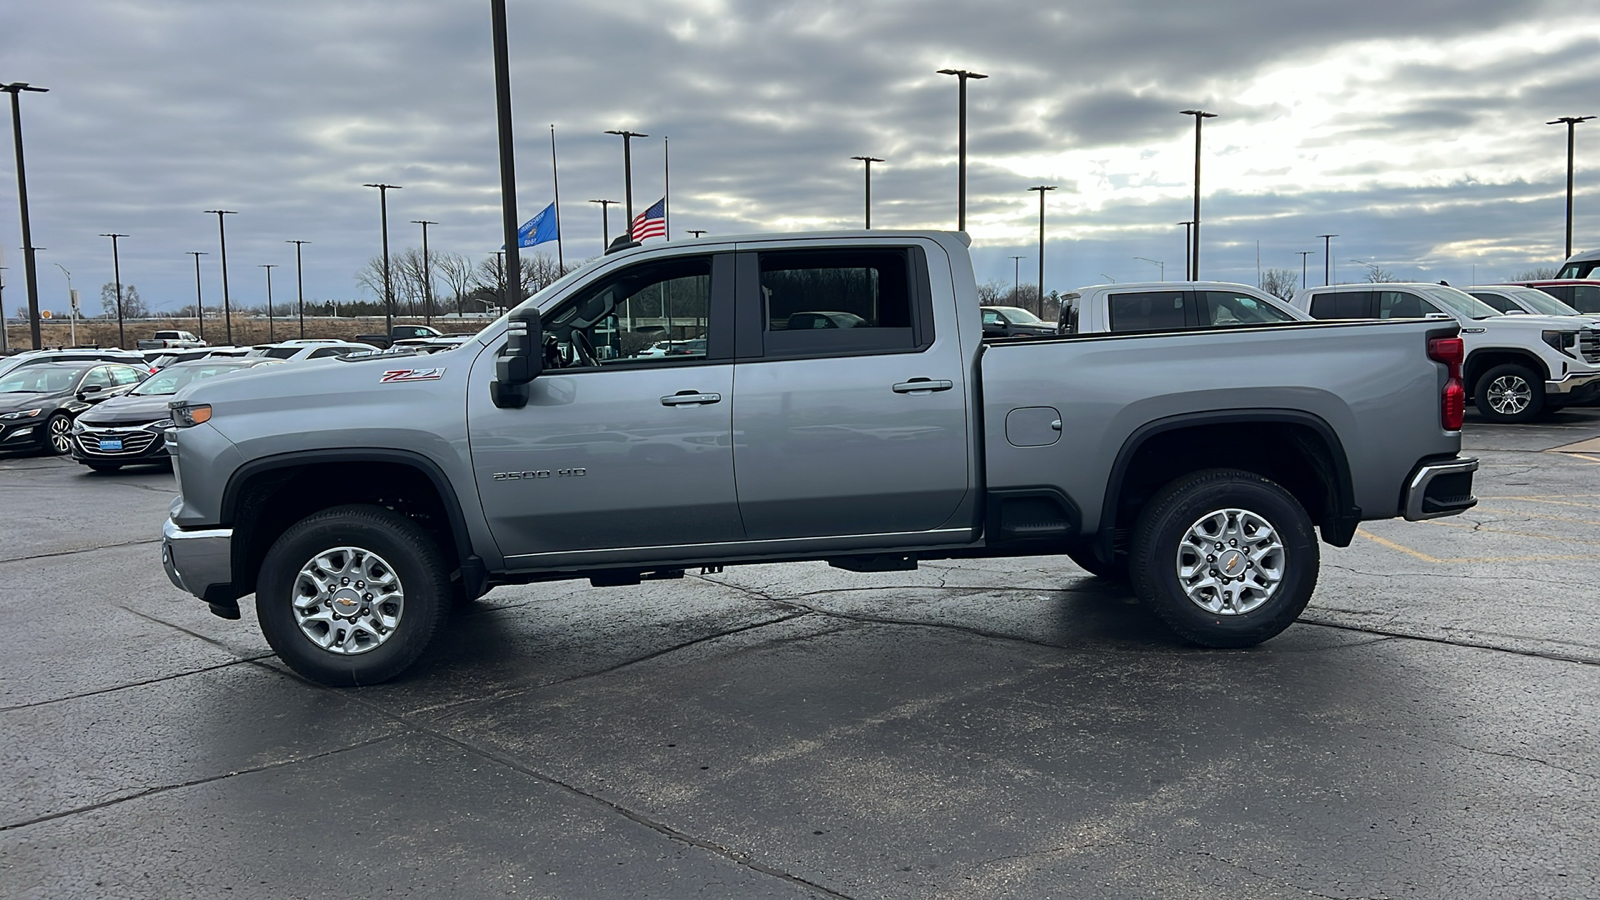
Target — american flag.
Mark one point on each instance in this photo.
(650, 223)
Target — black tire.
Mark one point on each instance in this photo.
(401, 547)
(1159, 538)
(57, 428)
(1508, 394)
(104, 467)
(1085, 559)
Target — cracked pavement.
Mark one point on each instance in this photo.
(984, 728)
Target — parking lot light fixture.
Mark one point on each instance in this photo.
(868, 161)
(199, 310)
(961, 142)
(222, 238)
(1156, 262)
(1200, 116)
(300, 282)
(388, 285)
(271, 337)
(605, 223)
(116, 269)
(427, 273)
(1016, 278)
(1327, 257)
(16, 89)
(1042, 189)
(627, 168)
(1571, 122)
(696, 231)
(1303, 255)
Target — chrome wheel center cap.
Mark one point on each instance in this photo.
(346, 603)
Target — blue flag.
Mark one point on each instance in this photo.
(539, 229)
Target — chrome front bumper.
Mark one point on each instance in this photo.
(196, 561)
(1440, 489)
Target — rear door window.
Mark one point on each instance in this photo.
(1341, 305)
(1147, 311)
(825, 302)
(1497, 301)
(1585, 298)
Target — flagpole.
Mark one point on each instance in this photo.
(555, 181)
(666, 197)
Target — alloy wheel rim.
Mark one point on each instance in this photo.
(60, 434)
(1230, 562)
(348, 600)
(1510, 395)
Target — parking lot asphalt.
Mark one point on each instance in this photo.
(995, 728)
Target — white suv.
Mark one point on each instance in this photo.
(1517, 367)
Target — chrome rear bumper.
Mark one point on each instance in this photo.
(1440, 489)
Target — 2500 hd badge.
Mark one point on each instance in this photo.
(538, 473)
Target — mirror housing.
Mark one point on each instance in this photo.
(88, 389)
(521, 361)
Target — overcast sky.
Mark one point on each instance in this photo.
(1412, 129)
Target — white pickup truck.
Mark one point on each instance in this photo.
(1517, 367)
(1169, 306)
(170, 340)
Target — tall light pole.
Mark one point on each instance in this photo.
(695, 231)
(427, 273)
(271, 337)
(1156, 262)
(627, 169)
(605, 223)
(1327, 257)
(72, 308)
(15, 89)
(1371, 267)
(300, 282)
(1042, 189)
(1200, 116)
(1016, 278)
(116, 269)
(868, 161)
(961, 142)
(388, 285)
(1571, 122)
(1303, 255)
(222, 237)
(508, 156)
(199, 310)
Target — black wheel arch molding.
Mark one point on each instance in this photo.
(473, 570)
(1340, 519)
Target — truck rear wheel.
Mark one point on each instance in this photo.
(352, 595)
(1509, 394)
(1225, 557)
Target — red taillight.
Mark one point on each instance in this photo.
(1453, 402)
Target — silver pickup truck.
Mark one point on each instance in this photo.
(834, 399)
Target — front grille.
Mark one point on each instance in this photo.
(1589, 344)
(134, 441)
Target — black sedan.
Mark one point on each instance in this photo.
(129, 429)
(1007, 321)
(38, 403)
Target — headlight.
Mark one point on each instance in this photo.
(187, 415)
(78, 427)
(1562, 341)
(24, 414)
(162, 425)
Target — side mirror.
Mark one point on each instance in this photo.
(88, 389)
(521, 362)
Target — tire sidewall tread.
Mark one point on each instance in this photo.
(417, 560)
(1168, 516)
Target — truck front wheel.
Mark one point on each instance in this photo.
(1225, 557)
(1509, 394)
(352, 595)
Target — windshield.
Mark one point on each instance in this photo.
(1579, 268)
(38, 380)
(171, 380)
(1016, 315)
(1462, 303)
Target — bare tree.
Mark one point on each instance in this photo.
(1542, 273)
(456, 270)
(538, 272)
(1380, 275)
(1280, 283)
(132, 304)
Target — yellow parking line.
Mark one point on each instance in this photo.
(1547, 537)
(1470, 559)
(1550, 500)
(1527, 515)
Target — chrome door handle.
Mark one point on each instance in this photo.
(923, 386)
(690, 398)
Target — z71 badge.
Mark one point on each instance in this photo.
(394, 376)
